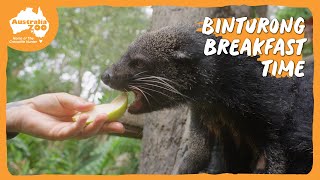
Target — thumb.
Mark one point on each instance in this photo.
(74, 102)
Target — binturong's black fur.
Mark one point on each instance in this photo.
(241, 122)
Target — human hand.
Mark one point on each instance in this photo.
(49, 116)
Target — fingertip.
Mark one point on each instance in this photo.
(88, 104)
(102, 117)
(99, 120)
(83, 105)
(83, 116)
(74, 128)
(115, 127)
(82, 120)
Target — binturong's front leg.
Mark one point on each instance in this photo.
(194, 152)
(276, 159)
(229, 154)
(217, 163)
(272, 159)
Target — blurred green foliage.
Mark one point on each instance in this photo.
(89, 39)
(287, 13)
(97, 155)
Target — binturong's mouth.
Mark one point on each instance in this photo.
(138, 104)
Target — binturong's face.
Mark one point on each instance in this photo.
(159, 68)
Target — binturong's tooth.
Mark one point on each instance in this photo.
(136, 106)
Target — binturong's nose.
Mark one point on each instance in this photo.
(114, 81)
(106, 77)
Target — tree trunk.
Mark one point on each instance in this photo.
(165, 132)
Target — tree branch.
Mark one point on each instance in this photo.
(133, 125)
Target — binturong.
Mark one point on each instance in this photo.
(241, 122)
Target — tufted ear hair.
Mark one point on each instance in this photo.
(181, 55)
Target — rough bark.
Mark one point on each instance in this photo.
(165, 132)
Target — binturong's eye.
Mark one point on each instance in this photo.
(136, 63)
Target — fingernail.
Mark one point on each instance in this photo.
(84, 116)
(88, 103)
(118, 127)
(104, 115)
(83, 103)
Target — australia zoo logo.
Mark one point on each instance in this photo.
(29, 27)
